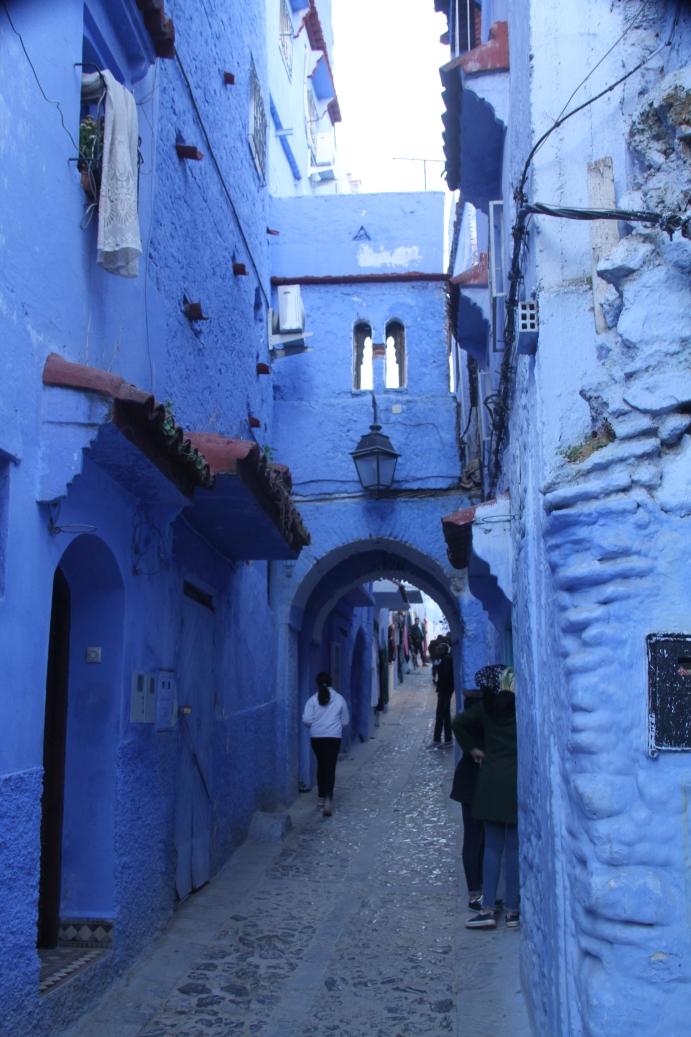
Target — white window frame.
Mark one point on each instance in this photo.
(497, 251)
(285, 37)
(312, 120)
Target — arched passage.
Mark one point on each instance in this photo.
(83, 697)
(330, 587)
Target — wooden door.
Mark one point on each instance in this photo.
(193, 813)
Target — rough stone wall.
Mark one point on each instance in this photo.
(601, 541)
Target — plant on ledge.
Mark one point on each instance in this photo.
(90, 159)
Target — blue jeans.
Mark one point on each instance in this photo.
(500, 840)
(473, 839)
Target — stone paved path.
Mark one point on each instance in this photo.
(352, 926)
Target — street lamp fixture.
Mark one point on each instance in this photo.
(375, 457)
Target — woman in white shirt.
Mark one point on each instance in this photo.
(325, 714)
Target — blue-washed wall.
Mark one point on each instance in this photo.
(600, 542)
(319, 417)
(53, 298)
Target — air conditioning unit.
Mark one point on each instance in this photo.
(528, 327)
(291, 312)
(287, 323)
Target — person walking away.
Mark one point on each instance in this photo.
(444, 686)
(463, 792)
(416, 643)
(487, 731)
(325, 714)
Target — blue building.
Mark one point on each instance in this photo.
(163, 604)
(576, 353)
(140, 513)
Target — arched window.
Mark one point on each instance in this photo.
(396, 368)
(363, 370)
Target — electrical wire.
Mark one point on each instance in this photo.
(632, 22)
(226, 189)
(519, 232)
(49, 100)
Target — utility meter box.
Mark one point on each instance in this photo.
(669, 692)
(143, 698)
(166, 700)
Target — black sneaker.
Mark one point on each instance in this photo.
(475, 903)
(513, 920)
(482, 920)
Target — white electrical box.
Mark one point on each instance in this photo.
(291, 312)
(166, 700)
(143, 698)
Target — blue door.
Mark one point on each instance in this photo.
(193, 812)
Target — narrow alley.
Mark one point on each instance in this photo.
(351, 925)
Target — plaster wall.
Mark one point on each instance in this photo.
(53, 298)
(322, 236)
(598, 544)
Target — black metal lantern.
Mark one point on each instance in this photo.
(375, 457)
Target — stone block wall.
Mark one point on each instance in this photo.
(601, 499)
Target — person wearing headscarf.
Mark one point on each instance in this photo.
(487, 732)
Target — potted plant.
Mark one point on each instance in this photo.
(90, 158)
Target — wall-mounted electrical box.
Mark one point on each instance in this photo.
(143, 698)
(166, 700)
(669, 692)
(528, 327)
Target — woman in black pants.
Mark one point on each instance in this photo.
(326, 714)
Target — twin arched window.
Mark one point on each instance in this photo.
(366, 352)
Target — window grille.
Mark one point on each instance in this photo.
(312, 124)
(257, 123)
(285, 38)
(496, 250)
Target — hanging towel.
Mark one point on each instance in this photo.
(119, 243)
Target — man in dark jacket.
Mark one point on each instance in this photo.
(445, 682)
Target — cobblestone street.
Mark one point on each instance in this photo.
(351, 925)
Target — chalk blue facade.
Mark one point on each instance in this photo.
(163, 611)
(155, 793)
(593, 469)
(369, 259)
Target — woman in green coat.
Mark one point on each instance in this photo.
(492, 724)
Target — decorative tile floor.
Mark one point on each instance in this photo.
(62, 963)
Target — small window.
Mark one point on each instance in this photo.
(257, 123)
(285, 38)
(363, 358)
(396, 374)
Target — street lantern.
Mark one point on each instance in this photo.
(375, 457)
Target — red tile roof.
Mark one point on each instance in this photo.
(160, 28)
(193, 459)
(315, 35)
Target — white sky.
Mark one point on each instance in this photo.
(386, 60)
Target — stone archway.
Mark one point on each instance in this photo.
(330, 580)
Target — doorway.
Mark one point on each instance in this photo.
(84, 684)
(54, 734)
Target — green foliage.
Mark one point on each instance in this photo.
(599, 438)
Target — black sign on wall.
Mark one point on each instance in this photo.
(669, 692)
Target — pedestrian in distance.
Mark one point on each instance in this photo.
(463, 792)
(325, 714)
(444, 688)
(487, 731)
